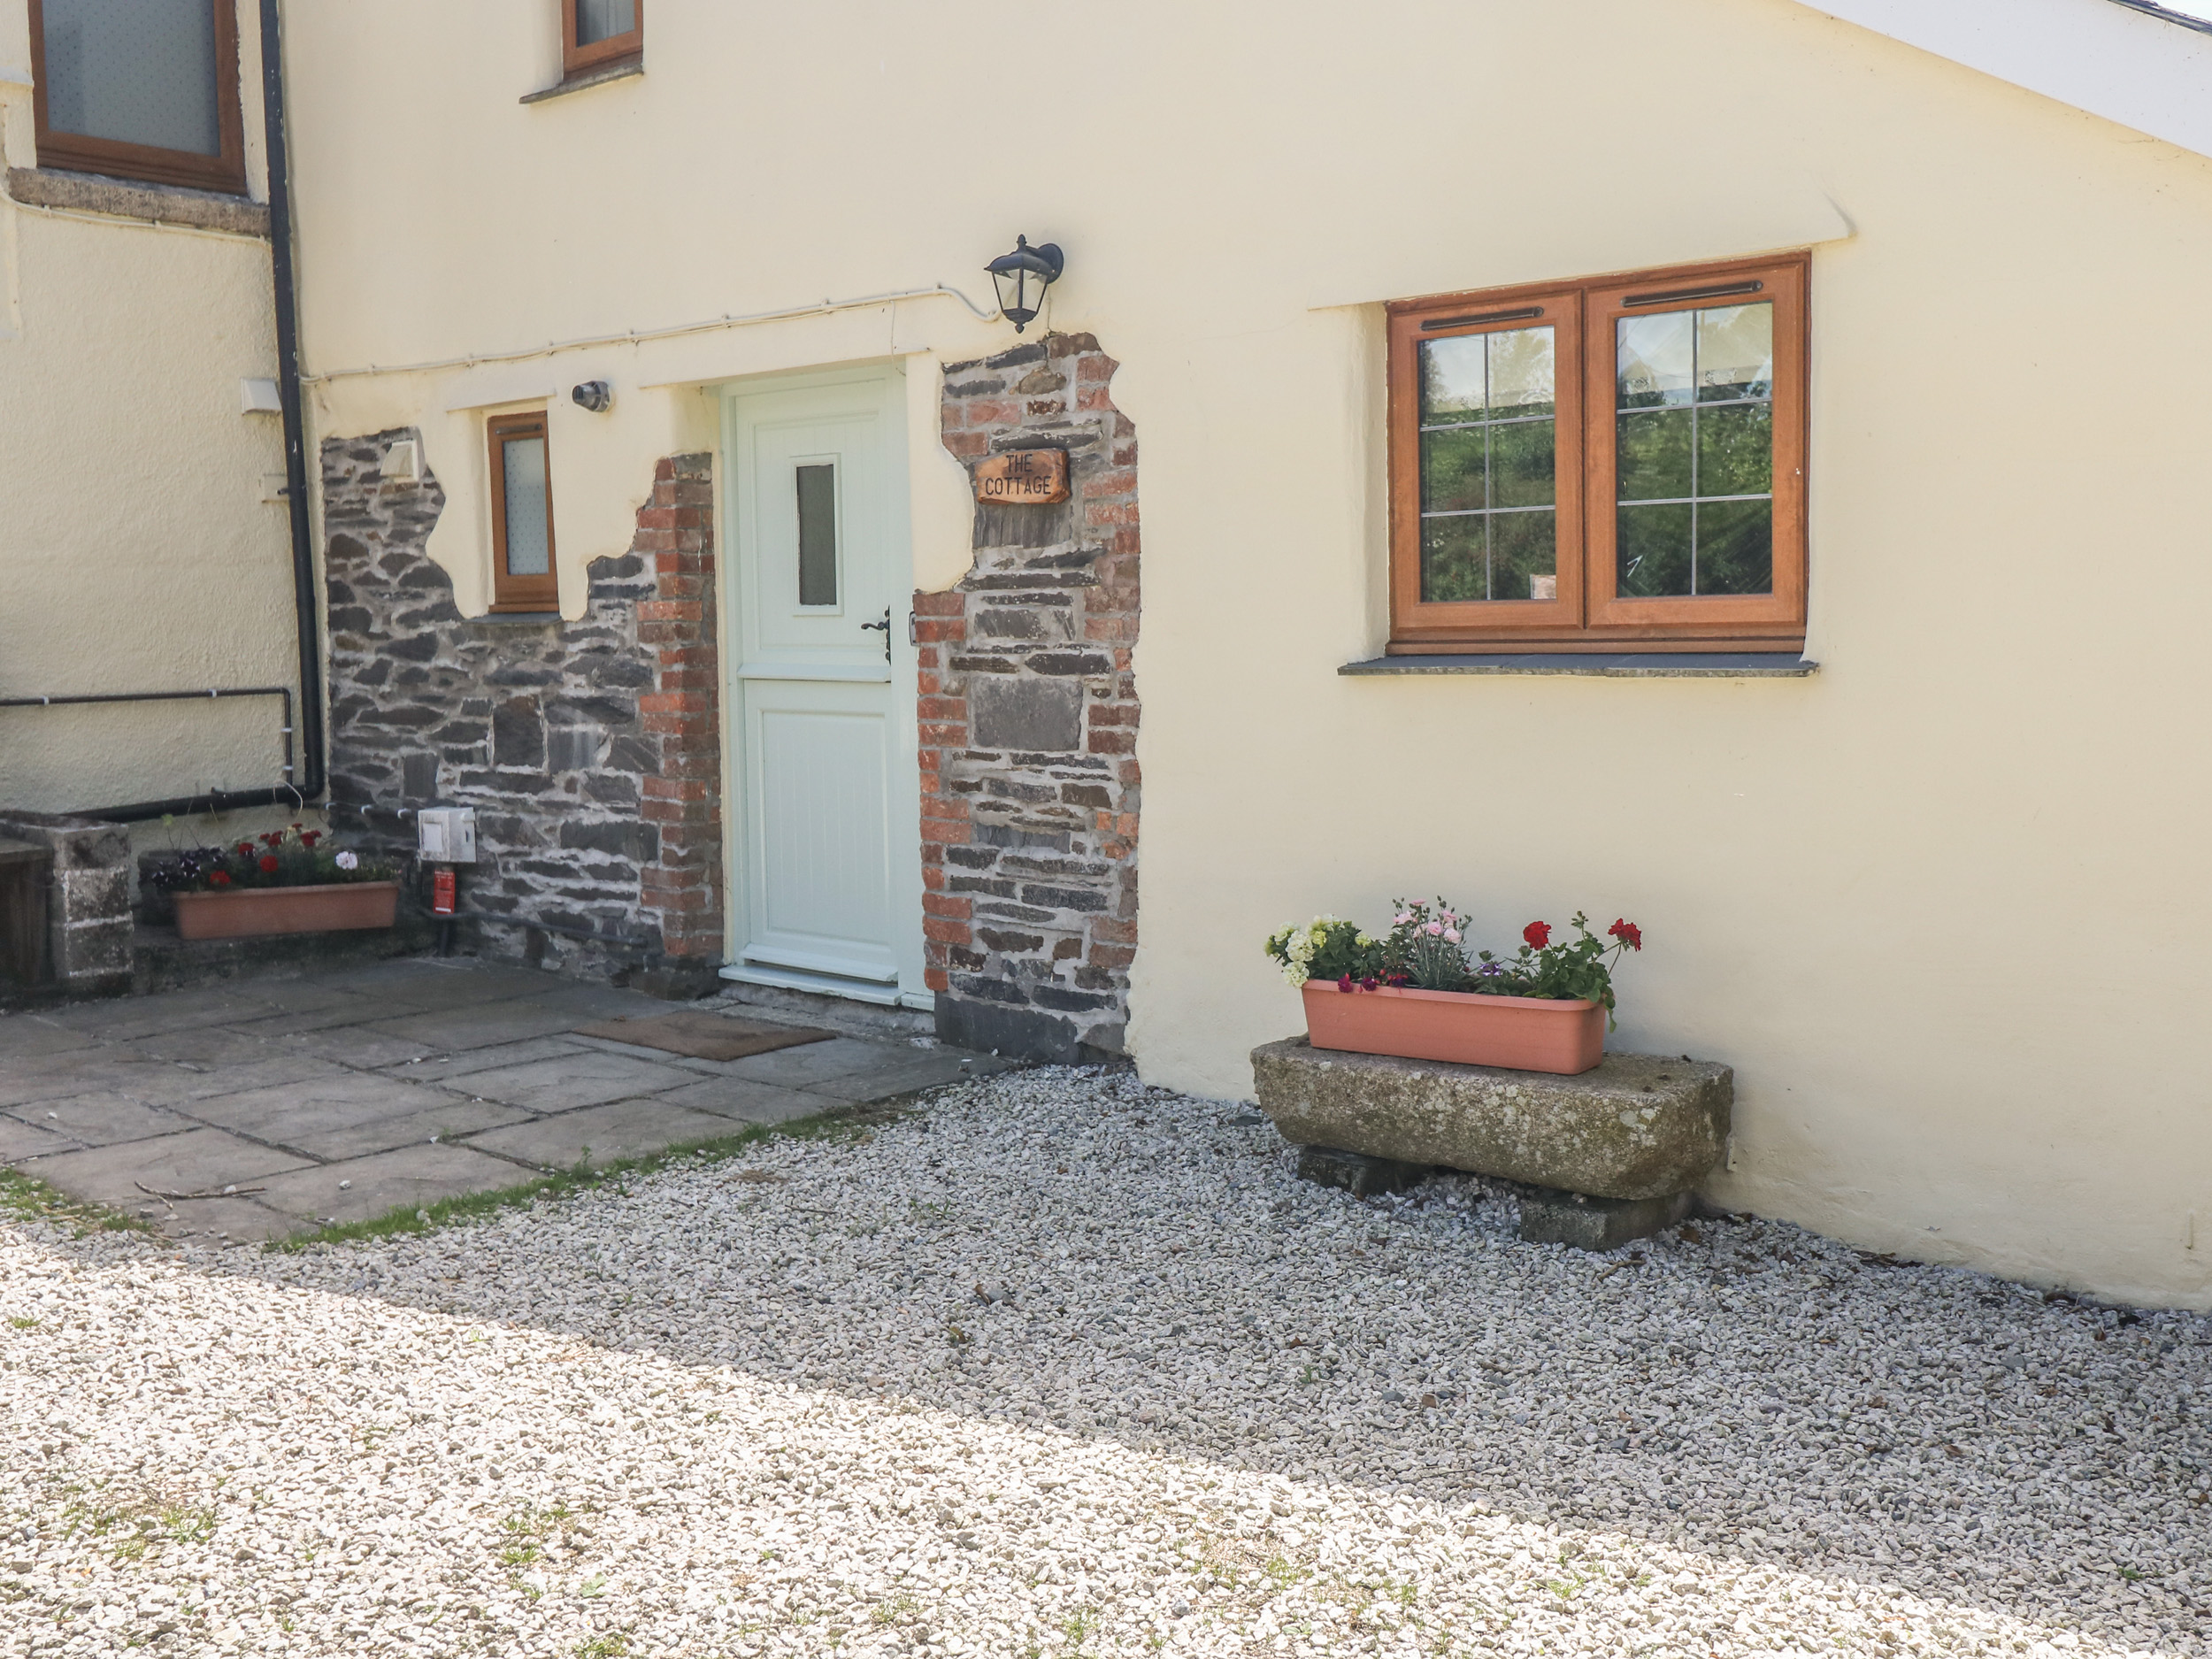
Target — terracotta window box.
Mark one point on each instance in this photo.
(252, 912)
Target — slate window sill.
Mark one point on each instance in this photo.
(598, 77)
(1626, 665)
(121, 198)
(515, 619)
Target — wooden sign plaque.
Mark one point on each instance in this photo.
(1026, 477)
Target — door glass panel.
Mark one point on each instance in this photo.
(1694, 454)
(1489, 468)
(599, 21)
(529, 541)
(818, 533)
(139, 71)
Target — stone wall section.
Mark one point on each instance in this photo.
(86, 887)
(590, 749)
(1028, 722)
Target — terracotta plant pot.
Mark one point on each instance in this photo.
(1523, 1033)
(249, 913)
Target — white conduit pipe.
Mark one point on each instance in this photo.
(637, 336)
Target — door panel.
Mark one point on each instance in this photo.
(828, 804)
(820, 787)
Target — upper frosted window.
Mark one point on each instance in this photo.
(599, 21)
(136, 71)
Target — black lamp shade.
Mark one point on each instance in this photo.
(1022, 277)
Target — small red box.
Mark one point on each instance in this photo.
(441, 893)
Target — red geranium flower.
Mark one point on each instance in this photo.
(268, 864)
(220, 879)
(1628, 934)
(308, 838)
(1537, 933)
(245, 850)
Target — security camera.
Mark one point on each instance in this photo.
(596, 395)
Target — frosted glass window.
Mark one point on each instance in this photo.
(138, 71)
(529, 544)
(818, 535)
(599, 21)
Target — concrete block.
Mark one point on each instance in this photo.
(1357, 1173)
(1550, 1216)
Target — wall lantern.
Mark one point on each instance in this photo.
(1023, 276)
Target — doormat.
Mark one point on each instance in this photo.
(705, 1036)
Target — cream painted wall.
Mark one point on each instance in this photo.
(1938, 903)
(135, 549)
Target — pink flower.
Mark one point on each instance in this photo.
(1452, 933)
(1401, 919)
(1433, 928)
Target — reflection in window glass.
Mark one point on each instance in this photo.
(138, 71)
(1488, 490)
(599, 21)
(1693, 433)
(529, 540)
(818, 535)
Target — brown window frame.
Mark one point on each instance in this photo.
(1588, 615)
(616, 48)
(147, 164)
(520, 593)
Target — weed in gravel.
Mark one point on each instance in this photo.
(26, 1198)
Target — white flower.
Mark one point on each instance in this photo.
(349, 861)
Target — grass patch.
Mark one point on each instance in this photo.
(850, 1125)
(26, 1198)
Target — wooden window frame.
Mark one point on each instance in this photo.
(1589, 616)
(520, 593)
(616, 48)
(225, 172)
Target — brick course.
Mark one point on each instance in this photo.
(1029, 720)
(590, 749)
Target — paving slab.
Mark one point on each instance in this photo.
(478, 1026)
(207, 1047)
(181, 1085)
(239, 1220)
(437, 1067)
(898, 1075)
(22, 1141)
(568, 1081)
(817, 1062)
(431, 983)
(293, 1115)
(622, 1129)
(599, 1001)
(411, 1176)
(23, 1035)
(303, 994)
(125, 1018)
(101, 1120)
(744, 1100)
(339, 1010)
(88, 1071)
(364, 1046)
(197, 1160)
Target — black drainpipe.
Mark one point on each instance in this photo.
(307, 784)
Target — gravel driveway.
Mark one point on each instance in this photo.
(1071, 1366)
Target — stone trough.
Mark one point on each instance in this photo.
(1612, 1155)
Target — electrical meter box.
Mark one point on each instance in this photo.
(446, 834)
